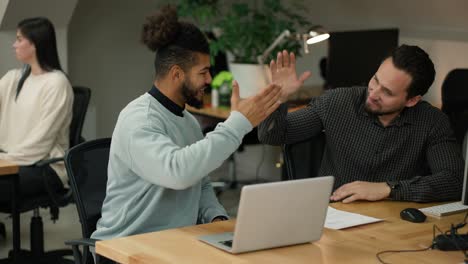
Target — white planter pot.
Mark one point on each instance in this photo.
(251, 77)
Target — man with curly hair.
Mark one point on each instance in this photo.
(159, 159)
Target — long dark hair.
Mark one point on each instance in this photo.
(40, 31)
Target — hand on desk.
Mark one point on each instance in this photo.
(283, 72)
(360, 190)
(258, 107)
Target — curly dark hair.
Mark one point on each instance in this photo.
(174, 42)
(416, 62)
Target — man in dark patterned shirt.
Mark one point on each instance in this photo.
(382, 141)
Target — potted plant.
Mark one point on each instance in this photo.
(221, 89)
(244, 30)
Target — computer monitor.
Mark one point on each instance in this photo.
(354, 56)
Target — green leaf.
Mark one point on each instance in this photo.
(248, 28)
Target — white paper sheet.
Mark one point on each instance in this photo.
(337, 219)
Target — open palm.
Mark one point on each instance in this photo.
(283, 72)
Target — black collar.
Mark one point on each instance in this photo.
(166, 102)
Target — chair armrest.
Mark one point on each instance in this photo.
(43, 163)
(81, 257)
(90, 242)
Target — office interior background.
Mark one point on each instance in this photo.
(99, 48)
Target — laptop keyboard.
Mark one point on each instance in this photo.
(227, 243)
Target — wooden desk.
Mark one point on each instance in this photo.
(9, 171)
(221, 113)
(352, 245)
(8, 168)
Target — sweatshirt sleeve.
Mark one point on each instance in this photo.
(209, 206)
(5, 83)
(55, 113)
(157, 159)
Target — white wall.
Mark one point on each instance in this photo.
(101, 45)
(103, 52)
(3, 7)
(7, 56)
(439, 27)
(11, 12)
(105, 55)
(446, 55)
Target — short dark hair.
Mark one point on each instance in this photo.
(416, 62)
(174, 42)
(40, 31)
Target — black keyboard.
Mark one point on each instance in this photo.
(227, 243)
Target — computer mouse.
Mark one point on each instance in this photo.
(413, 215)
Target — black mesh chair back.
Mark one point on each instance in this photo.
(86, 165)
(82, 95)
(455, 101)
(303, 159)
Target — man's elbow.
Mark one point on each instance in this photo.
(181, 182)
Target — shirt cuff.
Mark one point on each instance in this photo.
(238, 122)
(398, 194)
(211, 213)
(220, 217)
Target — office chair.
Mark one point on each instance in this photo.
(52, 199)
(465, 147)
(303, 159)
(455, 101)
(87, 170)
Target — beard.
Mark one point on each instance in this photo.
(189, 92)
(380, 111)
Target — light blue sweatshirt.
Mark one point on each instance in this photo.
(158, 167)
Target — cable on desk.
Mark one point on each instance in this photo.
(453, 237)
(398, 251)
(450, 235)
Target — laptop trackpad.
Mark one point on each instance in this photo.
(223, 240)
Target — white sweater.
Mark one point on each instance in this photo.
(35, 126)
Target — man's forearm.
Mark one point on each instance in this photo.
(430, 188)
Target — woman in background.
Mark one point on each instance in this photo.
(35, 110)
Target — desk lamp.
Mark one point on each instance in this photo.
(315, 34)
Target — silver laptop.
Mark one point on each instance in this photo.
(277, 214)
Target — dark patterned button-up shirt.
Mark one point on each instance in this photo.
(418, 149)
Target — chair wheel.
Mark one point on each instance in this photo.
(2, 230)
